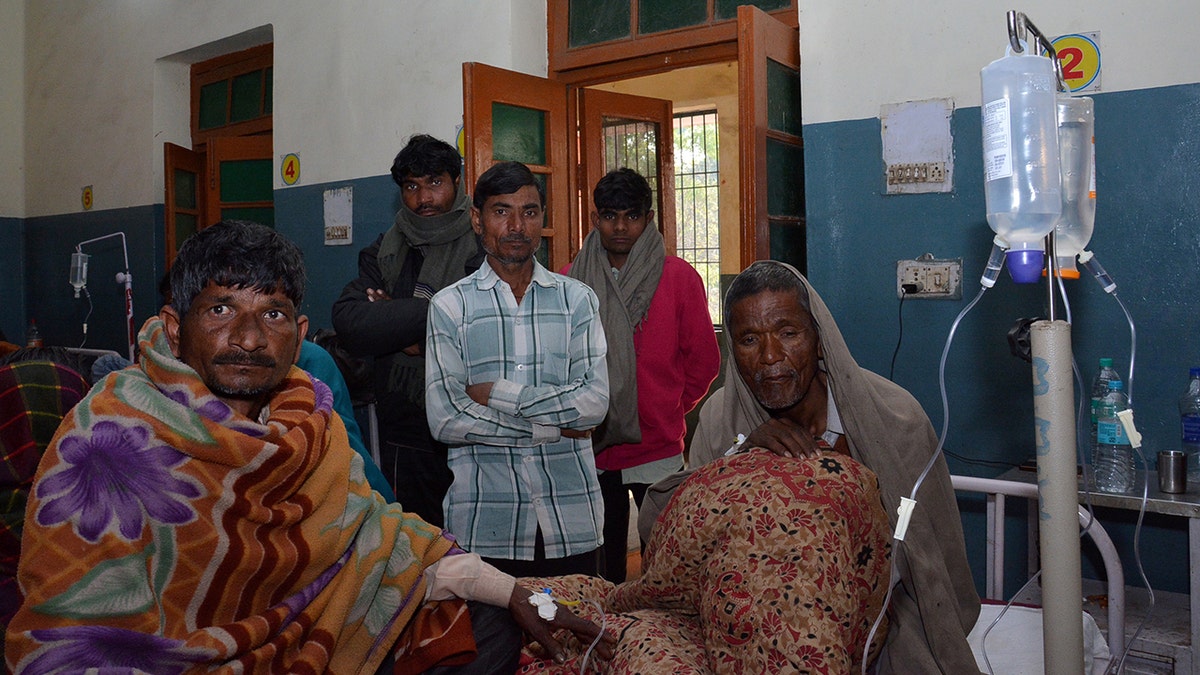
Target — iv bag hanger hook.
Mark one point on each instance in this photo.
(1018, 24)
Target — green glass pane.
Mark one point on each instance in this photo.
(783, 98)
(785, 179)
(727, 9)
(185, 189)
(213, 99)
(264, 215)
(269, 84)
(593, 21)
(185, 226)
(246, 180)
(518, 134)
(789, 244)
(247, 97)
(658, 15)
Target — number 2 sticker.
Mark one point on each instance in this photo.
(1079, 54)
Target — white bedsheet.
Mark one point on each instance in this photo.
(1014, 645)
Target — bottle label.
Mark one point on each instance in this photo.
(997, 141)
(1191, 428)
(1110, 432)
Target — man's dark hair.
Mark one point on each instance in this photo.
(764, 275)
(623, 190)
(504, 178)
(237, 254)
(425, 155)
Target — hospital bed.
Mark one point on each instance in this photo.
(1009, 644)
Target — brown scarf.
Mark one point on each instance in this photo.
(624, 301)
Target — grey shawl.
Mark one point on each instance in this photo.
(935, 603)
(446, 243)
(624, 301)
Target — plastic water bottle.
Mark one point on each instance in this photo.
(1022, 181)
(33, 336)
(1112, 463)
(1189, 418)
(1105, 374)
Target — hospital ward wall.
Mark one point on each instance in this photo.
(105, 85)
(1147, 229)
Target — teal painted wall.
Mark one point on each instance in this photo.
(12, 279)
(1147, 236)
(49, 242)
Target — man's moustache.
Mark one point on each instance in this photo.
(244, 360)
(515, 239)
(775, 373)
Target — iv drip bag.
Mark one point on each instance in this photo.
(79, 263)
(1077, 154)
(1022, 182)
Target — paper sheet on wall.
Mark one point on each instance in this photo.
(339, 211)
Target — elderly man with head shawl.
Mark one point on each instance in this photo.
(792, 386)
(205, 512)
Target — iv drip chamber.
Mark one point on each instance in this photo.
(79, 263)
(1022, 181)
(1077, 155)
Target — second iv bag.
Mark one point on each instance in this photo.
(1077, 154)
(1022, 185)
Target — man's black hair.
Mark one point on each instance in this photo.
(504, 178)
(764, 275)
(237, 254)
(425, 155)
(623, 190)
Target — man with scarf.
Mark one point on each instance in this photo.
(204, 511)
(662, 350)
(792, 388)
(382, 313)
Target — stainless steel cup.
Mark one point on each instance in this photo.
(1172, 471)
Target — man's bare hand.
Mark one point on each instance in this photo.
(376, 294)
(783, 437)
(480, 392)
(526, 616)
(413, 350)
(576, 433)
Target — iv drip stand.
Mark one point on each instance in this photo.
(122, 278)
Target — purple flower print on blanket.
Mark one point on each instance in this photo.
(113, 471)
(114, 650)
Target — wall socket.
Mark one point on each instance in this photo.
(929, 278)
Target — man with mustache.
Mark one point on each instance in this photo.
(204, 511)
(793, 388)
(516, 379)
(382, 313)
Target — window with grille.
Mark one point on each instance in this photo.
(698, 237)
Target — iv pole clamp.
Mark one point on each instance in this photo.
(122, 278)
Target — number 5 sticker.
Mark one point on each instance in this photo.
(290, 169)
(1079, 54)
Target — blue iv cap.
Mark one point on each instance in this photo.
(1025, 265)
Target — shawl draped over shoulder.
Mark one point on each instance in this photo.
(935, 603)
(168, 534)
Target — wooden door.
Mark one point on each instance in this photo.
(183, 212)
(622, 130)
(510, 116)
(240, 180)
(772, 150)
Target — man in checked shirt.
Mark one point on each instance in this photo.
(516, 379)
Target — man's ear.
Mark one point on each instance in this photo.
(301, 331)
(171, 324)
(595, 217)
(475, 221)
(650, 216)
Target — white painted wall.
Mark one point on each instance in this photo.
(12, 103)
(352, 81)
(857, 56)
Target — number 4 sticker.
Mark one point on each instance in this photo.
(290, 169)
(1079, 54)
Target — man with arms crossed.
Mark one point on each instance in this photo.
(516, 373)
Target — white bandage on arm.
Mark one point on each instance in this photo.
(467, 576)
